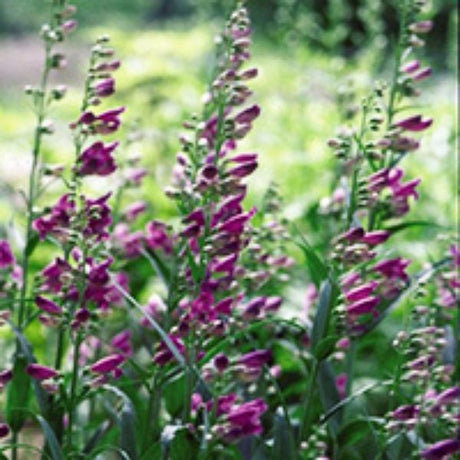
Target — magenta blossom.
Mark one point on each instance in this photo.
(97, 160)
(39, 372)
(4, 430)
(107, 364)
(414, 123)
(105, 87)
(441, 449)
(6, 255)
(48, 306)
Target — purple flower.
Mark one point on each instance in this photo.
(221, 362)
(256, 358)
(48, 306)
(415, 123)
(406, 412)
(97, 160)
(441, 449)
(99, 217)
(248, 115)
(105, 87)
(393, 268)
(4, 430)
(376, 237)
(5, 376)
(243, 420)
(134, 210)
(363, 306)
(422, 74)
(105, 123)
(157, 237)
(354, 234)
(411, 66)
(362, 291)
(130, 243)
(39, 372)
(448, 396)
(107, 364)
(243, 169)
(122, 342)
(421, 27)
(53, 273)
(6, 255)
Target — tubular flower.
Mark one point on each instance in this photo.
(39, 372)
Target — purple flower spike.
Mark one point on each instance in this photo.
(354, 234)
(393, 268)
(441, 449)
(48, 306)
(6, 255)
(405, 412)
(415, 123)
(39, 372)
(107, 364)
(97, 160)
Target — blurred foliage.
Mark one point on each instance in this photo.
(337, 26)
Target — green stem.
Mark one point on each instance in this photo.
(73, 387)
(14, 445)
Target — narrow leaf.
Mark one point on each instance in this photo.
(321, 323)
(316, 267)
(51, 441)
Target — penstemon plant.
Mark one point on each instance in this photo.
(212, 366)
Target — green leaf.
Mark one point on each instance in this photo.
(325, 347)
(327, 295)
(178, 443)
(356, 431)
(18, 396)
(26, 349)
(154, 451)
(329, 395)
(174, 395)
(410, 224)
(284, 445)
(159, 266)
(127, 422)
(51, 441)
(32, 244)
(316, 267)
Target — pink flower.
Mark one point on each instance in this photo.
(421, 27)
(107, 364)
(341, 383)
(411, 66)
(39, 372)
(48, 306)
(6, 255)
